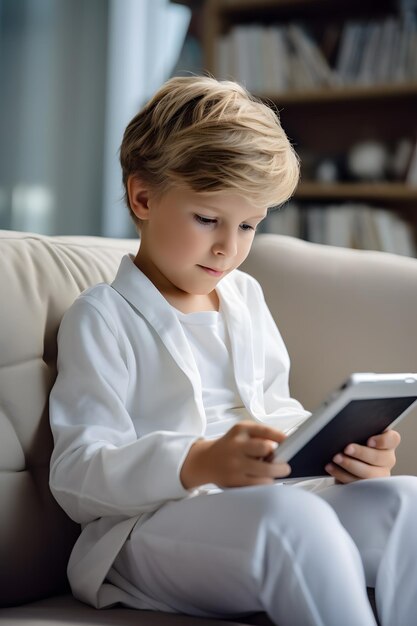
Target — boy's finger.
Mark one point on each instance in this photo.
(388, 440)
(259, 448)
(339, 474)
(375, 456)
(269, 470)
(263, 432)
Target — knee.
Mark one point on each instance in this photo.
(301, 524)
(294, 510)
(402, 488)
(394, 493)
(404, 483)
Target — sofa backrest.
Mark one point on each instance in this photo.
(40, 277)
(338, 310)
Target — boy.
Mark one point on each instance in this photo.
(172, 388)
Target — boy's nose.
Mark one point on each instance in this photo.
(226, 246)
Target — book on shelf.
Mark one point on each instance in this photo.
(310, 55)
(390, 35)
(367, 230)
(411, 177)
(351, 50)
(240, 56)
(407, 6)
(340, 226)
(394, 233)
(255, 56)
(401, 159)
(257, 75)
(223, 58)
(314, 224)
(276, 67)
(278, 58)
(272, 59)
(284, 220)
(376, 52)
(373, 34)
(349, 225)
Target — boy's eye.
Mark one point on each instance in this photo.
(205, 221)
(247, 227)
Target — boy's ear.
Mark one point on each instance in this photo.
(138, 194)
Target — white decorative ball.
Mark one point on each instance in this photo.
(368, 160)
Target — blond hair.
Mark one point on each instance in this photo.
(210, 136)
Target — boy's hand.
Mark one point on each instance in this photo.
(236, 459)
(375, 460)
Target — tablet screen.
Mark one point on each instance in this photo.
(355, 423)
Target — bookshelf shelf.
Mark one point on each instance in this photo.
(363, 192)
(243, 7)
(334, 95)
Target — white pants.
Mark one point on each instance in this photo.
(304, 558)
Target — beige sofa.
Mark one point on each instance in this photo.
(339, 311)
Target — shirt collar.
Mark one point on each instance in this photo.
(136, 288)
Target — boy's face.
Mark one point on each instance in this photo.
(190, 241)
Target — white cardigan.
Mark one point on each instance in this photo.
(127, 406)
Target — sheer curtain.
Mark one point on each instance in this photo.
(145, 40)
(72, 73)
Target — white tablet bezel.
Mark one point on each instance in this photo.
(360, 386)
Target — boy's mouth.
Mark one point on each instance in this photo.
(212, 271)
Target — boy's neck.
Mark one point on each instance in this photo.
(188, 303)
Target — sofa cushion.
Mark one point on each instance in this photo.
(66, 611)
(338, 310)
(40, 277)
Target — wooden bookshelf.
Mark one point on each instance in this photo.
(331, 118)
(244, 11)
(393, 193)
(370, 94)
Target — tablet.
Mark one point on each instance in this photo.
(365, 405)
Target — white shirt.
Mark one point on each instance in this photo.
(127, 406)
(208, 337)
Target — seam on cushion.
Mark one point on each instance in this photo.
(73, 244)
(60, 239)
